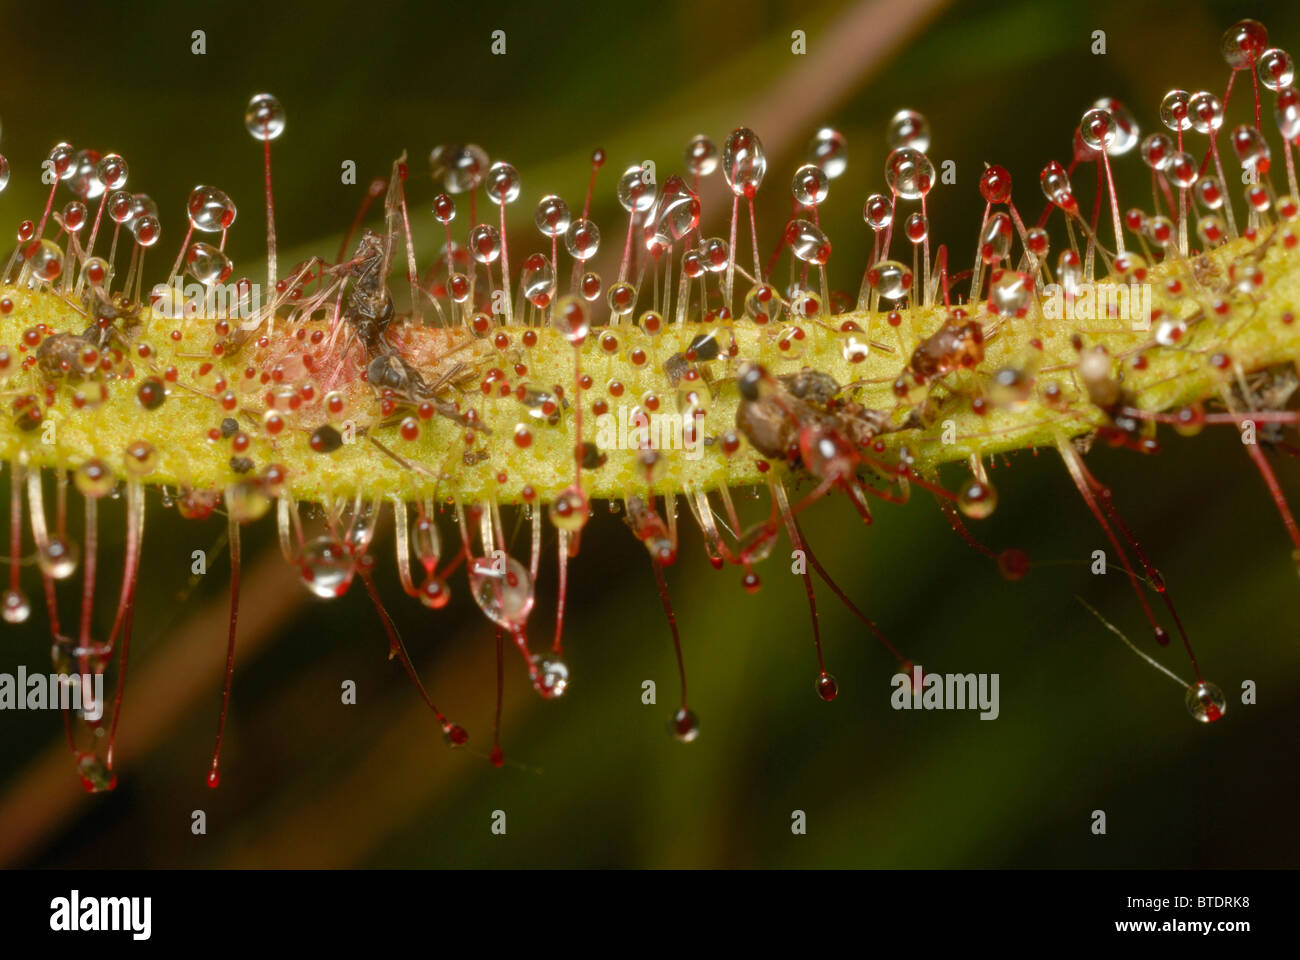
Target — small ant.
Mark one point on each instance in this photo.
(951, 347)
(800, 418)
(62, 354)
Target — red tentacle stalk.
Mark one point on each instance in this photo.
(232, 528)
(497, 756)
(454, 734)
(844, 599)
(684, 724)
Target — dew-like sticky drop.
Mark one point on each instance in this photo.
(636, 193)
(891, 279)
(15, 607)
(909, 173)
(503, 589)
(208, 264)
(829, 151)
(326, 567)
(552, 216)
(676, 214)
(58, 558)
(685, 725)
(210, 210)
(582, 239)
(1205, 702)
(978, 498)
(808, 242)
(551, 676)
(502, 183)
(460, 166)
(744, 163)
(701, 156)
(264, 118)
(569, 318)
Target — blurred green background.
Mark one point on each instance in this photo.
(594, 778)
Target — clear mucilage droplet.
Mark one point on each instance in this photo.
(917, 227)
(808, 242)
(1209, 191)
(74, 216)
(1251, 149)
(460, 166)
(636, 191)
(676, 214)
(1098, 129)
(210, 210)
(811, 185)
(551, 676)
(552, 216)
(890, 279)
(326, 567)
(14, 606)
(1182, 170)
(146, 230)
(142, 205)
(744, 163)
(1206, 112)
(909, 173)
(120, 205)
(995, 240)
(1156, 150)
(62, 159)
(264, 118)
(908, 129)
(977, 499)
(763, 304)
(582, 239)
(1069, 272)
(1243, 43)
(1010, 293)
(85, 182)
(569, 318)
(685, 725)
(878, 211)
(45, 258)
(111, 171)
(715, 253)
(538, 279)
(1056, 186)
(1287, 112)
(1205, 702)
(208, 264)
(1275, 69)
(1126, 128)
(1175, 110)
(503, 589)
(701, 156)
(829, 151)
(485, 243)
(502, 183)
(58, 558)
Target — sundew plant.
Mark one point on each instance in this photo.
(853, 436)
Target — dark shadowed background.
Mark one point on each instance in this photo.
(594, 778)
